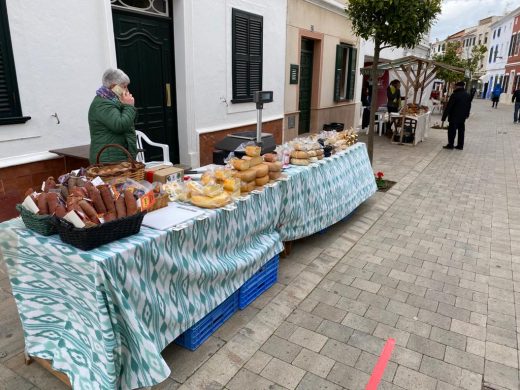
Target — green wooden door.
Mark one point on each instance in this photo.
(144, 49)
(306, 58)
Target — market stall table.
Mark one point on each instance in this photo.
(104, 316)
(322, 194)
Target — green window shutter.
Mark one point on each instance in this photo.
(247, 52)
(9, 97)
(351, 75)
(337, 73)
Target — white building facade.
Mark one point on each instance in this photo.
(498, 46)
(60, 50)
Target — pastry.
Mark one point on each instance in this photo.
(299, 161)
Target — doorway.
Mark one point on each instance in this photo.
(144, 50)
(306, 60)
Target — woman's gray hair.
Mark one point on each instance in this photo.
(115, 76)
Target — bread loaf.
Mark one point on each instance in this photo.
(209, 202)
(240, 165)
(261, 181)
(246, 176)
(299, 154)
(299, 161)
(261, 170)
(253, 161)
(253, 151)
(274, 175)
(274, 166)
(270, 157)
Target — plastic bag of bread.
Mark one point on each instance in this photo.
(195, 188)
(213, 190)
(211, 202)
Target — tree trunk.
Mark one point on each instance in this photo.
(373, 103)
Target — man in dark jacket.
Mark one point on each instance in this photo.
(516, 100)
(457, 111)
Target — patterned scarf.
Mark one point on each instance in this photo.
(106, 93)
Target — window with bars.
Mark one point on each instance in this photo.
(10, 108)
(345, 73)
(247, 52)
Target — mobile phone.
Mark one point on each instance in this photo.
(118, 90)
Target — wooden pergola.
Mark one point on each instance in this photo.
(419, 73)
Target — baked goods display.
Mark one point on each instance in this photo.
(414, 109)
(82, 201)
(305, 151)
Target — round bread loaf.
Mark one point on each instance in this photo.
(299, 161)
(247, 175)
(300, 154)
(261, 170)
(261, 181)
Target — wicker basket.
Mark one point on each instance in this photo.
(160, 202)
(90, 238)
(116, 172)
(42, 224)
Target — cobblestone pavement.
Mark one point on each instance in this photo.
(433, 263)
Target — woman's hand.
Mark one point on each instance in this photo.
(127, 98)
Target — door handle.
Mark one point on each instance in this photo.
(168, 95)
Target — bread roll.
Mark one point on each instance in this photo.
(261, 170)
(253, 151)
(232, 184)
(270, 157)
(299, 161)
(274, 175)
(312, 153)
(246, 176)
(251, 186)
(211, 203)
(253, 161)
(299, 154)
(240, 165)
(274, 166)
(261, 181)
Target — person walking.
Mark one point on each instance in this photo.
(516, 100)
(457, 111)
(495, 95)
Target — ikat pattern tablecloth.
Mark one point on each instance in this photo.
(104, 316)
(323, 193)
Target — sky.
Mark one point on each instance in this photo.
(459, 14)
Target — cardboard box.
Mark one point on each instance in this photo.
(166, 175)
(149, 172)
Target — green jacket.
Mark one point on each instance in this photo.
(111, 123)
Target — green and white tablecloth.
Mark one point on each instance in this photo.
(321, 194)
(104, 316)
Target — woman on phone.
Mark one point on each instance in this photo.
(111, 118)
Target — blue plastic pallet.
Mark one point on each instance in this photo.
(198, 333)
(258, 283)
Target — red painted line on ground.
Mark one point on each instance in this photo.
(379, 369)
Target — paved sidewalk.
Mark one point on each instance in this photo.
(433, 263)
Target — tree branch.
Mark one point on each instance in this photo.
(386, 47)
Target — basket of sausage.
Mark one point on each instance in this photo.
(103, 215)
(38, 208)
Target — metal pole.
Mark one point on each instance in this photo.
(259, 126)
